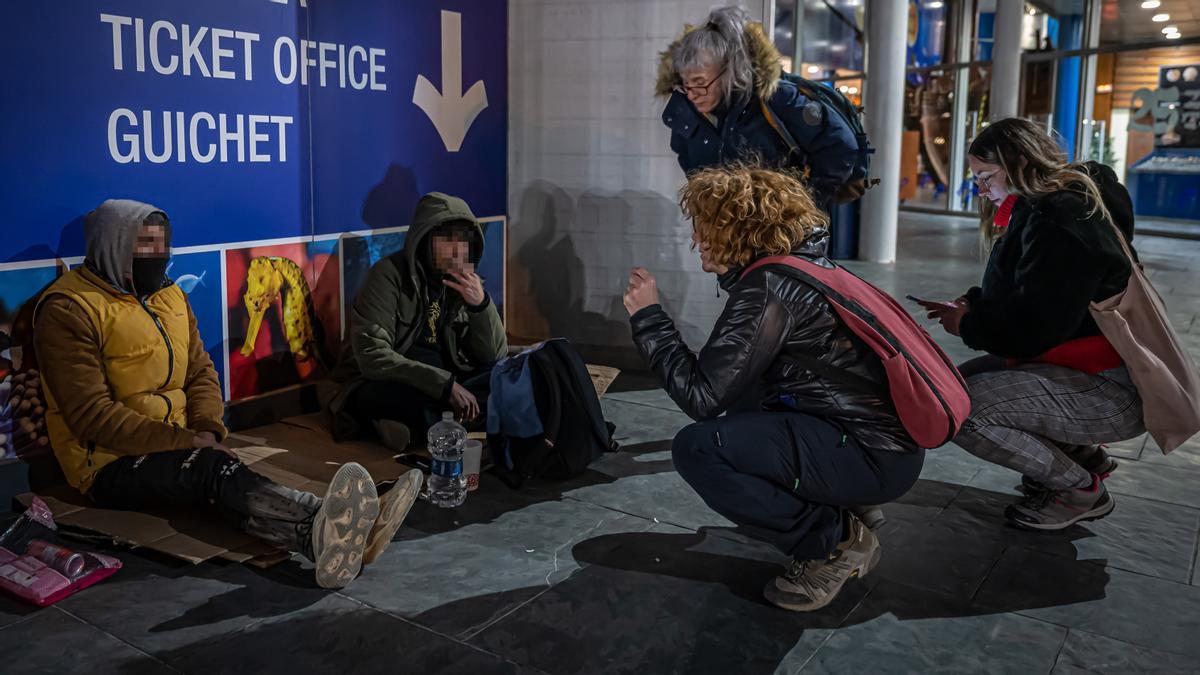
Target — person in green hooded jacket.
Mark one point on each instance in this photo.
(423, 334)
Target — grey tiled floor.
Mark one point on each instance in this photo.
(624, 570)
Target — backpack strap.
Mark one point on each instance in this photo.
(781, 129)
(810, 363)
(778, 126)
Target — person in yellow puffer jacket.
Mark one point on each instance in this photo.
(134, 407)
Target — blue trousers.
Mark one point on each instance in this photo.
(786, 478)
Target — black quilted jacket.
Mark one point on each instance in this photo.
(754, 359)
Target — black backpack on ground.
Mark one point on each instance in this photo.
(575, 432)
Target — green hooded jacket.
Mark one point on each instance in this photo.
(386, 319)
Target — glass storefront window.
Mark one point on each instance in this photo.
(831, 37)
(1137, 110)
(978, 92)
(926, 175)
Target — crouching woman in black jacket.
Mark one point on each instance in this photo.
(795, 451)
(1055, 384)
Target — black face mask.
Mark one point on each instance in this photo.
(148, 274)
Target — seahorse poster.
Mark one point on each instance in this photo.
(284, 315)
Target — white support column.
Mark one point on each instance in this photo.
(964, 27)
(1087, 80)
(1006, 59)
(798, 39)
(768, 18)
(887, 22)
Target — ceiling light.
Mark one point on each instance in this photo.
(1151, 4)
(1174, 36)
(1159, 18)
(843, 89)
(813, 70)
(935, 5)
(1170, 29)
(852, 90)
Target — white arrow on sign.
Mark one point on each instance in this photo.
(451, 112)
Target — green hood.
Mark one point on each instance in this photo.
(434, 209)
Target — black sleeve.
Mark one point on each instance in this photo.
(1058, 274)
(745, 341)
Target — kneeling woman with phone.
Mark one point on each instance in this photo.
(797, 450)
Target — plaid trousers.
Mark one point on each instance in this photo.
(1021, 416)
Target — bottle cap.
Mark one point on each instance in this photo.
(448, 416)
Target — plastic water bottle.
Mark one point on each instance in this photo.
(447, 482)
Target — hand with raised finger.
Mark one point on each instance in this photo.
(468, 284)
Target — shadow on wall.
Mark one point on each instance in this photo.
(70, 244)
(391, 202)
(580, 253)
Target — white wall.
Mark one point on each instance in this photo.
(592, 179)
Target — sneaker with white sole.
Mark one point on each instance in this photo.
(394, 506)
(340, 527)
(809, 585)
(1048, 509)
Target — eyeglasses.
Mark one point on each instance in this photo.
(699, 89)
(985, 180)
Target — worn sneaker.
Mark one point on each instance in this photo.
(341, 526)
(809, 585)
(393, 509)
(394, 435)
(1047, 509)
(871, 516)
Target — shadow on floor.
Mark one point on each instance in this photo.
(493, 499)
(692, 601)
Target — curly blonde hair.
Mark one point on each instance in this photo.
(742, 211)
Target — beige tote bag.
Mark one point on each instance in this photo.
(1135, 321)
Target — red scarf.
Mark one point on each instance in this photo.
(1004, 212)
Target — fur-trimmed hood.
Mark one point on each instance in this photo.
(768, 64)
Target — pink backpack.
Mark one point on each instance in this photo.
(930, 396)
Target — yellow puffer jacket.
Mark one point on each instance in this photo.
(144, 348)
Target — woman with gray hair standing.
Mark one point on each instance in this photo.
(728, 101)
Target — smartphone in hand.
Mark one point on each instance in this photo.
(933, 306)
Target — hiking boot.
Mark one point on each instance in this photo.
(393, 508)
(394, 435)
(1048, 509)
(340, 527)
(871, 516)
(809, 585)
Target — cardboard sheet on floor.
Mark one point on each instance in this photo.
(307, 463)
(297, 452)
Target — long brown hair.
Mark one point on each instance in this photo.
(1034, 166)
(740, 211)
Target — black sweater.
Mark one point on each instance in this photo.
(1045, 270)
